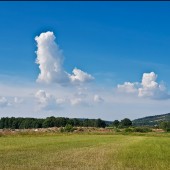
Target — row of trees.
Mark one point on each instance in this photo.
(123, 123)
(27, 123)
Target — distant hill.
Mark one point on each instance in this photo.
(151, 120)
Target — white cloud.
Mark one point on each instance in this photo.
(18, 100)
(147, 88)
(83, 105)
(79, 98)
(4, 102)
(76, 101)
(127, 87)
(150, 88)
(98, 99)
(50, 59)
(61, 101)
(148, 80)
(80, 76)
(45, 100)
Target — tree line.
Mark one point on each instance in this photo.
(123, 123)
(28, 123)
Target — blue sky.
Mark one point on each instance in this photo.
(115, 42)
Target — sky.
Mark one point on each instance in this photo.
(104, 60)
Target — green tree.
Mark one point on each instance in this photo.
(165, 126)
(126, 122)
(115, 123)
(49, 122)
(100, 123)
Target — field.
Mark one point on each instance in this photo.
(85, 151)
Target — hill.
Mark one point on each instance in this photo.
(151, 120)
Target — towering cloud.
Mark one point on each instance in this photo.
(150, 88)
(147, 88)
(50, 59)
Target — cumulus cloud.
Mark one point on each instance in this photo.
(50, 59)
(147, 88)
(127, 87)
(150, 88)
(4, 102)
(98, 99)
(45, 100)
(79, 98)
(80, 76)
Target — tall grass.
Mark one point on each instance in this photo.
(73, 151)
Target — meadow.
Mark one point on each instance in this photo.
(85, 151)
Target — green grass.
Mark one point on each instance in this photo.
(84, 151)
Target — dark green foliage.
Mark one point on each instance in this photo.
(115, 123)
(165, 126)
(128, 130)
(68, 128)
(117, 130)
(49, 122)
(27, 123)
(152, 120)
(100, 123)
(61, 129)
(126, 122)
(142, 129)
(138, 129)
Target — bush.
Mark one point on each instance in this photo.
(61, 129)
(128, 130)
(142, 129)
(168, 130)
(68, 128)
(138, 129)
(165, 126)
(117, 130)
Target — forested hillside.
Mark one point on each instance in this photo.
(151, 120)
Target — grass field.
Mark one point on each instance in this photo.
(83, 151)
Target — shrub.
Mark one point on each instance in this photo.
(142, 129)
(61, 129)
(128, 130)
(168, 130)
(117, 130)
(68, 128)
(165, 126)
(138, 129)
